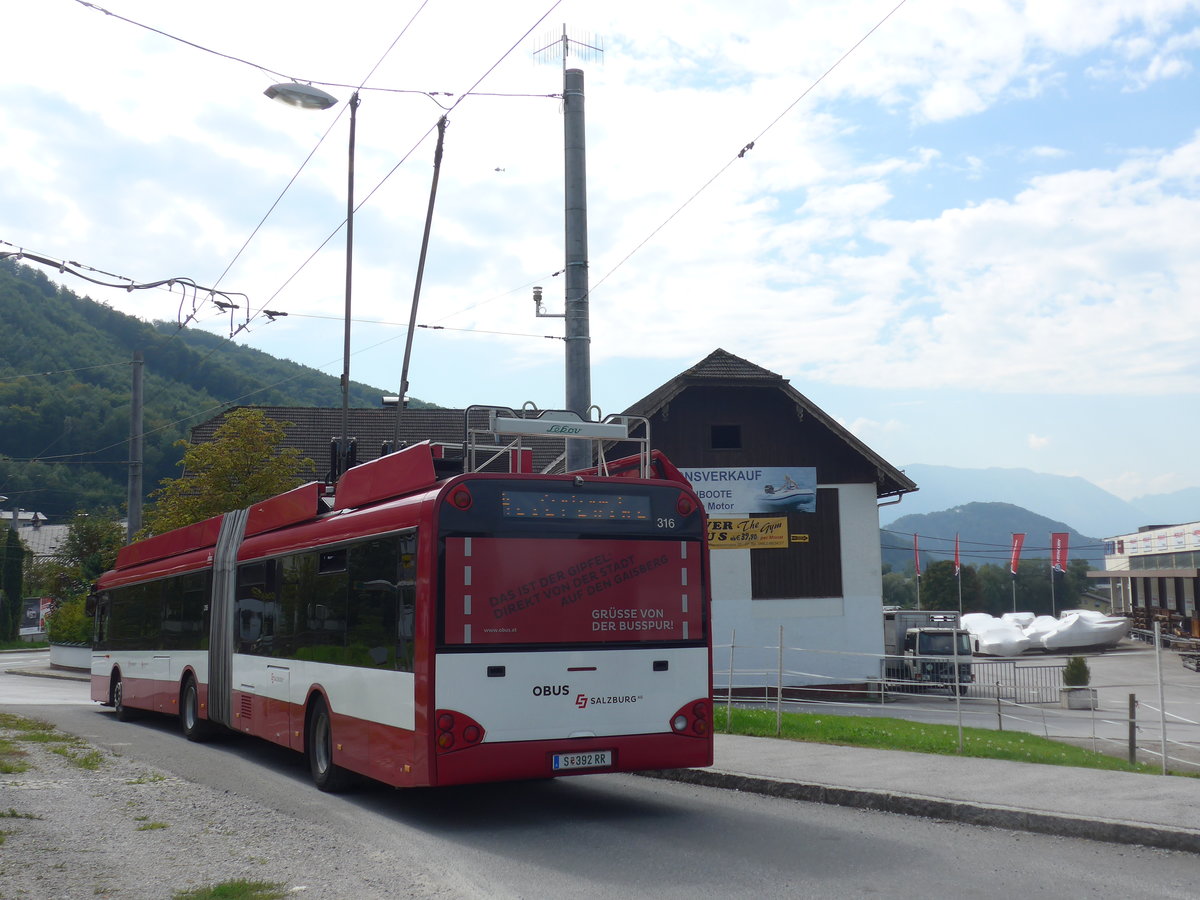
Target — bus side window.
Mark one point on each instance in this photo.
(103, 610)
(379, 612)
(408, 597)
(257, 608)
(373, 603)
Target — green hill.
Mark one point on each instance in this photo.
(65, 375)
(985, 533)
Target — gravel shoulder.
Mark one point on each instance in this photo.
(125, 830)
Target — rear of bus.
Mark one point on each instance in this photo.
(573, 628)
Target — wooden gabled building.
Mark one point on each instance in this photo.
(823, 586)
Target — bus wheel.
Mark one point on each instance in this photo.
(124, 713)
(194, 727)
(326, 776)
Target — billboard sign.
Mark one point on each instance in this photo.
(761, 489)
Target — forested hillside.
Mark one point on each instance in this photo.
(985, 536)
(65, 375)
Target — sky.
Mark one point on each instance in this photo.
(966, 228)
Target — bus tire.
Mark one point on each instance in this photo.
(124, 713)
(194, 728)
(326, 775)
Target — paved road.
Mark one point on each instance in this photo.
(624, 836)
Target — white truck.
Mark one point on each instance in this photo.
(920, 647)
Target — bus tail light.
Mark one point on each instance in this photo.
(685, 506)
(455, 731)
(461, 498)
(694, 719)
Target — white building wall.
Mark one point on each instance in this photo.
(827, 640)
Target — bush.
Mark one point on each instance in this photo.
(1076, 672)
(69, 624)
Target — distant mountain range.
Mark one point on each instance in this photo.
(985, 536)
(1061, 499)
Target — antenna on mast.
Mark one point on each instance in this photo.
(555, 47)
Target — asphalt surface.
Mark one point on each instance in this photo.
(1118, 807)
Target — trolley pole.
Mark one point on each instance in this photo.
(578, 332)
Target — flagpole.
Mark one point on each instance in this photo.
(1059, 541)
(1052, 604)
(917, 567)
(1018, 538)
(958, 576)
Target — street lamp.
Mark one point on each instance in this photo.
(305, 96)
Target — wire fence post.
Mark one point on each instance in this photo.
(729, 686)
(1162, 706)
(957, 688)
(1092, 707)
(1132, 729)
(779, 689)
(999, 714)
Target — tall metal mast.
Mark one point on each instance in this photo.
(578, 373)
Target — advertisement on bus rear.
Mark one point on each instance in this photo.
(534, 591)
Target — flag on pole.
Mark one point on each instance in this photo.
(1018, 540)
(1058, 551)
(957, 566)
(916, 556)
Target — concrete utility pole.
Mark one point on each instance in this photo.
(134, 499)
(578, 330)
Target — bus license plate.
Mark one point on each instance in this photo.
(595, 760)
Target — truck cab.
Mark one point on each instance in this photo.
(920, 649)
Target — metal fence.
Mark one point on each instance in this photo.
(1123, 712)
(1019, 682)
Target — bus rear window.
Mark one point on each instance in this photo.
(545, 591)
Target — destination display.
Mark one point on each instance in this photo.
(570, 505)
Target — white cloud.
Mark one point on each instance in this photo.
(887, 230)
(1037, 442)
(1047, 152)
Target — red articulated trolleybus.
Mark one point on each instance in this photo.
(432, 622)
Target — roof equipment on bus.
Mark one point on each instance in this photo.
(486, 442)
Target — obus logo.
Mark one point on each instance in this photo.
(551, 690)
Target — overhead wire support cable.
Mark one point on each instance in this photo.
(387, 176)
(747, 147)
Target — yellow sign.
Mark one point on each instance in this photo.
(799, 538)
(743, 534)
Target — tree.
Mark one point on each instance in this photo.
(89, 550)
(243, 464)
(12, 559)
(939, 587)
(898, 590)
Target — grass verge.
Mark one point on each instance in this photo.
(235, 890)
(17, 730)
(916, 737)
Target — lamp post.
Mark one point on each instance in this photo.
(305, 96)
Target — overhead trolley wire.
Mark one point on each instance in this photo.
(746, 148)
